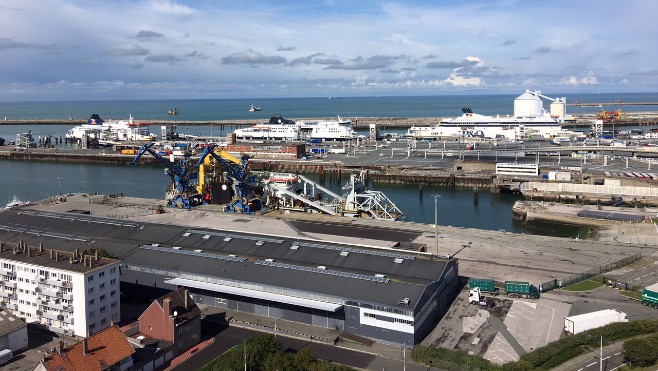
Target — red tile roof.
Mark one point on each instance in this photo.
(104, 349)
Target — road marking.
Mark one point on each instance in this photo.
(580, 369)
(606, 357)
(623, 364)
(591, 364)
(618, 353)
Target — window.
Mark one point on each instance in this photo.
(405, 321)
(103, 321)
(90, 290)
(92, 326)
(91, 302)
(113, 281)
(113, 270)
(113, 292)
(102, 286)
(102, 297)
(92, 314)
(103, 309)
(113, 305)
(371, 315)
(101, 274)
(90, 278)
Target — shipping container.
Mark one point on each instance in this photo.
(576, 324)
(519, 289)
(127, 151)
(650, 295)
(485, 285)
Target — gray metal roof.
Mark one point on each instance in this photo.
(349, 272)
(9, 323)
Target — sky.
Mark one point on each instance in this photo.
(184, 49)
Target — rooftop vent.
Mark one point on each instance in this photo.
(260, 243)
(206, 237)
(344, 253)
(227, 239)
(380, 275)
(186, 234)
(322, 267)
(198, 250)
(176, 247)
(294, 247)
(398, 260)
(269, 260)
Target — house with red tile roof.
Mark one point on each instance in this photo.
(107, 349)
(175, 318)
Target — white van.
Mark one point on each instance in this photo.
(5, 356)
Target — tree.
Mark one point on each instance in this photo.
(640, 352)
(278, 361)
(305, 359)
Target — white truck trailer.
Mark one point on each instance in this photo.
(576, 324)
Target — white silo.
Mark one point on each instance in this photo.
(528, 104)
(559, 108)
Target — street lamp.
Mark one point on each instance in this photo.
(59, 181)
(436, 221)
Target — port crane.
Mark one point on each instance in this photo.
(610, 117)
(233, 186)
(181, 192)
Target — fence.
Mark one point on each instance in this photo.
(568, 281)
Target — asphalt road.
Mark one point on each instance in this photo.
(612, 359)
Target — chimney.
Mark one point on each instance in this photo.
(96, 255)
(71, 260)
(186, 303)
(40, 246)
(166, 306)
(56, 255)
(51, 253)
(28, 251)
(84, 346)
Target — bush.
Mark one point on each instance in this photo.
(450, 359)
(642, 352)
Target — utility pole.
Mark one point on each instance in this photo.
(601, 356)
(436, 222)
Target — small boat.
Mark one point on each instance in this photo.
(15, 202)
(253, 108)
(173, 111)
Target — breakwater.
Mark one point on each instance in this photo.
(583, 121)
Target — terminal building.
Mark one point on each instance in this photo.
(385, 295)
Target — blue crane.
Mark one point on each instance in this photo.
(180, 192)
(237, 176)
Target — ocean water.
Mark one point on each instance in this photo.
(350, 107)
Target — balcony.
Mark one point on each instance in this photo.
(49, 292)
(7, 294)
(10, 284)
(50, 315)
(67, 296)
(8, 273)
(58, 306)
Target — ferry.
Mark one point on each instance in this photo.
(278, 128)
(530, 121)
(253, 108)
(473, 125)
(15, 202)
(111, 131)
(336, 130)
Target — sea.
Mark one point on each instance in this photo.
(33, 181)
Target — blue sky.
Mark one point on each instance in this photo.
(160, 49)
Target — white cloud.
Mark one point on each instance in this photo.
(589, 79)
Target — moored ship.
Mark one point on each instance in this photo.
(111, 131)
(530, 121)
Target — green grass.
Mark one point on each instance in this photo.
(590, 284)
(631, 294)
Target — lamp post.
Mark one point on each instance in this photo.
(436, 221)
(59, 182)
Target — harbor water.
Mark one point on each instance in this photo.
(457, 207)
(34, 181)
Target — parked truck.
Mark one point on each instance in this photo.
(475, 297)
(484, 284)
(583, 322)
(518, 289)
(650, 295)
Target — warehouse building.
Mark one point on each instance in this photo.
(385, 295)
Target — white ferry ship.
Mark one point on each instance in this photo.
(111, 131)
(530, 120)
(339, 129)
(279, 128)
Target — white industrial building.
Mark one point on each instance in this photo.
(68, 292)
